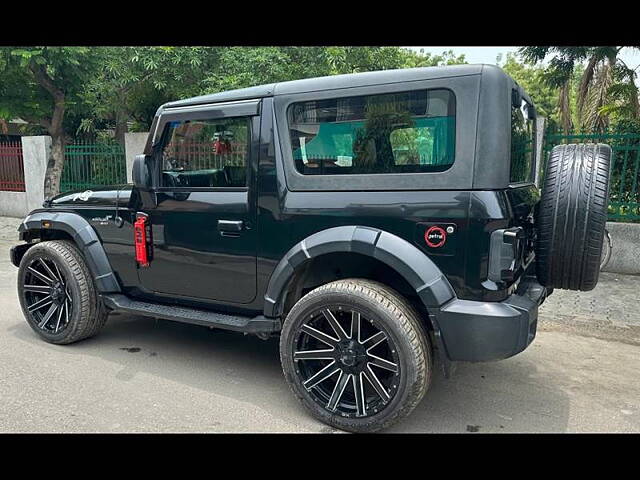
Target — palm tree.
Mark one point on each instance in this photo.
(606, 85)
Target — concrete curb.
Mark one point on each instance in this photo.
(625, 254)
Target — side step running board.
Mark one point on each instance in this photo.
(260, 324)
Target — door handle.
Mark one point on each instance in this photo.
(230, 228)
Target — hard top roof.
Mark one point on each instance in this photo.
(335, 81)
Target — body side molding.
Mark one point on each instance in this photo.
(419, 270)
(85, 238)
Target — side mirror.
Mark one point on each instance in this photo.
(141, 173)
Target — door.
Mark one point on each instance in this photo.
(203, 213)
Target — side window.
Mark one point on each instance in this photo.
(406, 132)
(206, 153)
(522, 144)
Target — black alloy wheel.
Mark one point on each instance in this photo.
(356, 354)
(46, 295)
(57, 293)
(346, 362)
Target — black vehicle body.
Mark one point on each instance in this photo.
(237, 257)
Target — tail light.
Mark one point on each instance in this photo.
(141, 240)
(506, 254)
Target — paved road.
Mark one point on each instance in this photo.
(141, 375)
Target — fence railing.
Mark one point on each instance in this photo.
(11, 167)
(200, 156)
(91, 165)
(624, 194)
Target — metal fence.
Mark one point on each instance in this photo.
(202, 156)
(624, 194)
(11, 167)
(89, 165)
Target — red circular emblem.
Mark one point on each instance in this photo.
(435, 236)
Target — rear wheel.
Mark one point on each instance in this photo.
(57, 294)
(355, 354)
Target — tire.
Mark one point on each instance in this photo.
(76, 312)
(571, 216)
(384, 317)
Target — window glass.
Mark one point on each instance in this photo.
(390, 133)
(522, 144)
(206, 153)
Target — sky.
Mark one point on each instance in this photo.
(489, 54)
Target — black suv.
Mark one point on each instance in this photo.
(377, 222)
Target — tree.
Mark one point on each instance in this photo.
(69, 90)
(240, 67)
(604, 80)
(38, 85)
(134, 81)
(532, 79)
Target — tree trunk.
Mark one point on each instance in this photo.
(121, 126)
(55, 128)
(565, 107)
(54, 167)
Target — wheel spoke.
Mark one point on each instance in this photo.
(42, 277)
(374, 340)
(38, 288)
(48, 315)
(314, 355)
(43, 302)
(60, 277)
(59, 317)
(373, 380)
(352, 351)
(67, 304)
(355, 326)
(66, 292)
(382, 363)
(338, 390)
(321, 376)
(323, 337)
(335, 324)
(358, 390)
(48, 269)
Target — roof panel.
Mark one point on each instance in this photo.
(332, 82)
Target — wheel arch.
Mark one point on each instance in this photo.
(412, 265)
(73, 227)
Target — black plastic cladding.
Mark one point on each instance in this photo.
(421, 273)
(84, 237)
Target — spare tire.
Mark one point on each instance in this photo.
(571, 216)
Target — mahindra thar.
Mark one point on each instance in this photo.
(378, 223)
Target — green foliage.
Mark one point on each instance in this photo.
(109, 86)
(240, 67)
(32, 77)
(605, 92)
(532, 79)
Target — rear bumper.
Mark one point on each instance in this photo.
(482, 331)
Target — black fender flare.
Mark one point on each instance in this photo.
(414, 266)
(85, 238)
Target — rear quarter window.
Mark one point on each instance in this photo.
(522, 143)
(407, 132)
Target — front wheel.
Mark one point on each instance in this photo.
(356, 355)
(57, 294)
